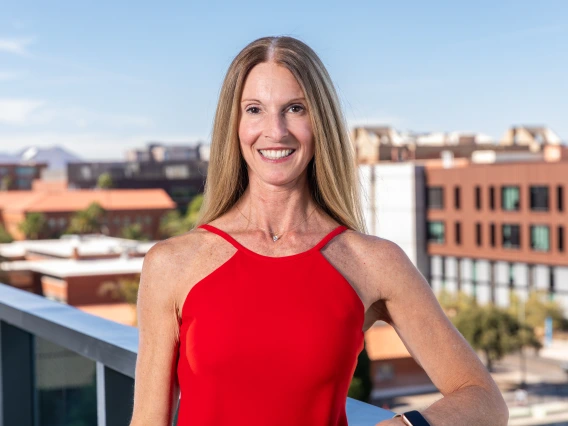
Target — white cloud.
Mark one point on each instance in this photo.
(17, 46)
(30, 112)
(10, 75)
(18, 111)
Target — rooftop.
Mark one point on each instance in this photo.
(85, 245)
(62, 268)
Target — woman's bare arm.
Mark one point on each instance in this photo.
(471, 397)
(156, 390)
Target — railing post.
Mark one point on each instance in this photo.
(17, 376)
(115, 395)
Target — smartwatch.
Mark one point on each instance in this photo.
(413, 418)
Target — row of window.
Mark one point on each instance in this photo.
(510, 235)
(539, 197)
(61, 222)
(20, 171)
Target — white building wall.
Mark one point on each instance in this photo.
(394, 208)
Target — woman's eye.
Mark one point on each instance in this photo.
(253, 110)
(296, 108)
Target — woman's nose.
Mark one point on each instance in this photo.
(275, 127)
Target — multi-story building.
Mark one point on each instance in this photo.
(384, 144)
(158, 151)
(497, 228)
(181, 179)
(473, 216)
(19, 176)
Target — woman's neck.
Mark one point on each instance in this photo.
(276, 209)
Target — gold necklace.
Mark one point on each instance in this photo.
(275, 237)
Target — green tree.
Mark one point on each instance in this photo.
(87, 221)
(453, 303)
(193, 209)
(5, 183)
(105, 181)
(361, 384)
(5, 236)
(133, 232)
(124, 289)
(33, 226)
(494, 331)
(537, 307)
(174, 223)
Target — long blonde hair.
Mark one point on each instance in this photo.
(332, 174)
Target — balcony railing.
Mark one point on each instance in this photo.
(59, 365)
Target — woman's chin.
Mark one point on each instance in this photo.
(280, 180)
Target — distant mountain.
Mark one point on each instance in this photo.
(8, 158)
(56, 157)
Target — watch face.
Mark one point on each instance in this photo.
(414, 418)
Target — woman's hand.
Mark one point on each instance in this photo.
(391, 422)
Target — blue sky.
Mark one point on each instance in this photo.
(101, 77)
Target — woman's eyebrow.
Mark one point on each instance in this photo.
(287, 102)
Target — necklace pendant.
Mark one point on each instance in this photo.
(275, 238)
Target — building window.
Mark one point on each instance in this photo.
(511, 275)
(51, 222)
(510, 198)
(148, 219)
(492, 234)
(540, 237)
(478, 234)
(458, 233)
(25, 171)
(62, 222)
(116, 220)
(385, 372)
(457, 200)
(511, 235)
(539, 198)
(560, 198)
(436, 232)
(478, 197)
(435, 197)
(474, 275)
(492, 197)
(560, 238)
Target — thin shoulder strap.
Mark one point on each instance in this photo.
(330, 236)
(222, 234)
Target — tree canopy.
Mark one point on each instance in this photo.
(87, 221)
(33, 226)
(105, 181)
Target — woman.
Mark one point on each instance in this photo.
(258, 314)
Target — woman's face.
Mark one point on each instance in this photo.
(275, 130)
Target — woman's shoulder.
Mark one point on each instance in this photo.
(181, 250)
(366, 246)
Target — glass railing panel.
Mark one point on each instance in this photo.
(65, 386)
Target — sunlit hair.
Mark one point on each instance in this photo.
(332, 174)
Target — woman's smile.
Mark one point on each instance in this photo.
(276, 155)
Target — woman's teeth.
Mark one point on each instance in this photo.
(273, 154)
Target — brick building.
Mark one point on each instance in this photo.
(122, 208)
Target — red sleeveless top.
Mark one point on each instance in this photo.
(269, 341)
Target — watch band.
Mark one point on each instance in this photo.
(413, 418)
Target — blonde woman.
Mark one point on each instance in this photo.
(258, 314)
